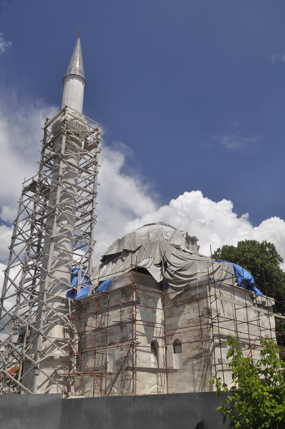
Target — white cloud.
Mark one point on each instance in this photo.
(235, 142)
(214, 223)
(4, 44)
(2, 268)
(20, 139)
(125, 201)
(121, 198)
(278, 58)
(10, 298)
(5, 237)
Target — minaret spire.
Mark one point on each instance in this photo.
(76, 66)
(74, 80)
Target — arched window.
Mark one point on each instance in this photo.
(154, 347)
(177, 346)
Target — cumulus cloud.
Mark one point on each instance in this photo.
(121, 198)
(20, 140)
(4, 44)
(214, 223)
(125, 201)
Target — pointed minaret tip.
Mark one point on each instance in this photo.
(76, 66)
(74, 80)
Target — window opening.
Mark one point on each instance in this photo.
(177, 346)
(154, 347)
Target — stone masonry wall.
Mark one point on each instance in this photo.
(140, 339)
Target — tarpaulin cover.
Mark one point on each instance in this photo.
(81, 285)
(167, 254)
(104, 286)
(245, 279)
(78, 294)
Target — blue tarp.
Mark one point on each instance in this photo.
(82, 293)
(105, 285)
(85, 283)
(244, 278)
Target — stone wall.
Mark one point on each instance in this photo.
(121, 340)
(239, 313)
(202, 318)
(139, 338)
(188, 323)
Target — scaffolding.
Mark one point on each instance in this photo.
(128, 337)
(53, 232)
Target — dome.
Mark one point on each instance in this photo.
(153, 233)
(168, 254)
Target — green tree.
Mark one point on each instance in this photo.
(256, 398)
(263, 261)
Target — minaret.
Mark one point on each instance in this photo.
(74, 80)
(53, 233)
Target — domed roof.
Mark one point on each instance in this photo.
(152, 233)
(167, 253)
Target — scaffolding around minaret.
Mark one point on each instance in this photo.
(53, 232)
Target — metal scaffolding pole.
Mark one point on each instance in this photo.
(53, 232)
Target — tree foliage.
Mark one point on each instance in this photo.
(256, 398)
(262, 260)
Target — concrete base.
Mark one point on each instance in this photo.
(188, 411)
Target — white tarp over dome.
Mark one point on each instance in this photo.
(166, 253)
(152, 233)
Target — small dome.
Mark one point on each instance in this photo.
(166, 253)
(153, 233)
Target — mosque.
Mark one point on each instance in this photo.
(159, 318)
(153, 318)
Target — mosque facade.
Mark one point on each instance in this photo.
(160, 316)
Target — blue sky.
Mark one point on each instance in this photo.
(196, 89)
